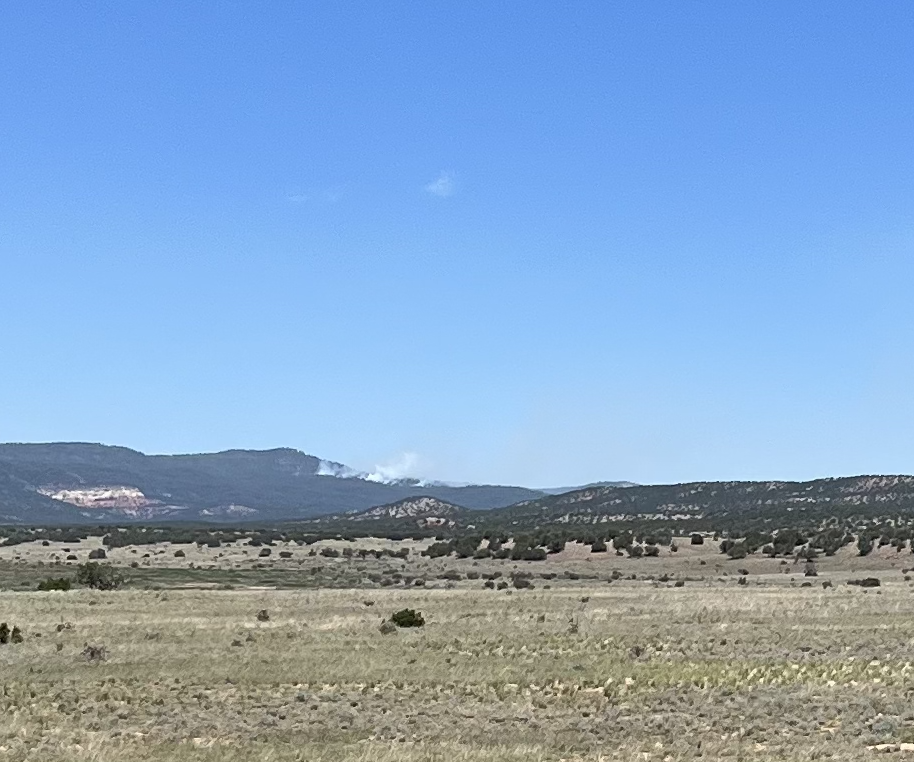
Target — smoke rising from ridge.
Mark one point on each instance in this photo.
(400, 468)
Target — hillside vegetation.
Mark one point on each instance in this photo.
(105, 483)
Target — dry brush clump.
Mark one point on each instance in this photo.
(10, 635)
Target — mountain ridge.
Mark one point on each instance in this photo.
(78, 482)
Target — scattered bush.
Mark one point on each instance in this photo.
(522, 553)
(99, 576)
(865, 582)
(438, 549)
(408, 618)
(94, 654)
(8, 635)
(55, 583)
(737, 551)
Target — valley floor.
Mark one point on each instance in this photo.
(584, 670)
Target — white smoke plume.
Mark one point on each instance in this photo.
(403, 466)
(399, 468)
(329, 468)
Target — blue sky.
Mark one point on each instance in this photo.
(533, 243)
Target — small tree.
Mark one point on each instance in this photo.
(55, 583)
(623, 541)
(99, 576)
(408, 618)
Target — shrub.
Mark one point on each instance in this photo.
(865, 582)
(55, 583)
(264, 552)
(8, 635)
(438, 549)
(651, 550)
(408, 618)
(521, 583)
(623, 541)
(180, 554)
(598, 547)
(736, 551)
(99, 576)
(285, 554)
(95, 653)
(330, 553)
(696, 539)
(97, 554)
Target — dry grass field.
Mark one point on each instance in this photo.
(638, 669)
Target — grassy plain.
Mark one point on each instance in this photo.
(635, 669)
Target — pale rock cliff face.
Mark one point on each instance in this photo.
(118, 497)
(427, 511)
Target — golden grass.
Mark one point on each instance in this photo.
(706, 671)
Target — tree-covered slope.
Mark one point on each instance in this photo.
(236, 484)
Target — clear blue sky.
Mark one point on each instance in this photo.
(526, 242)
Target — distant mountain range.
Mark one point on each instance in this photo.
(71, 483)
(698, 506)
(66, 482)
